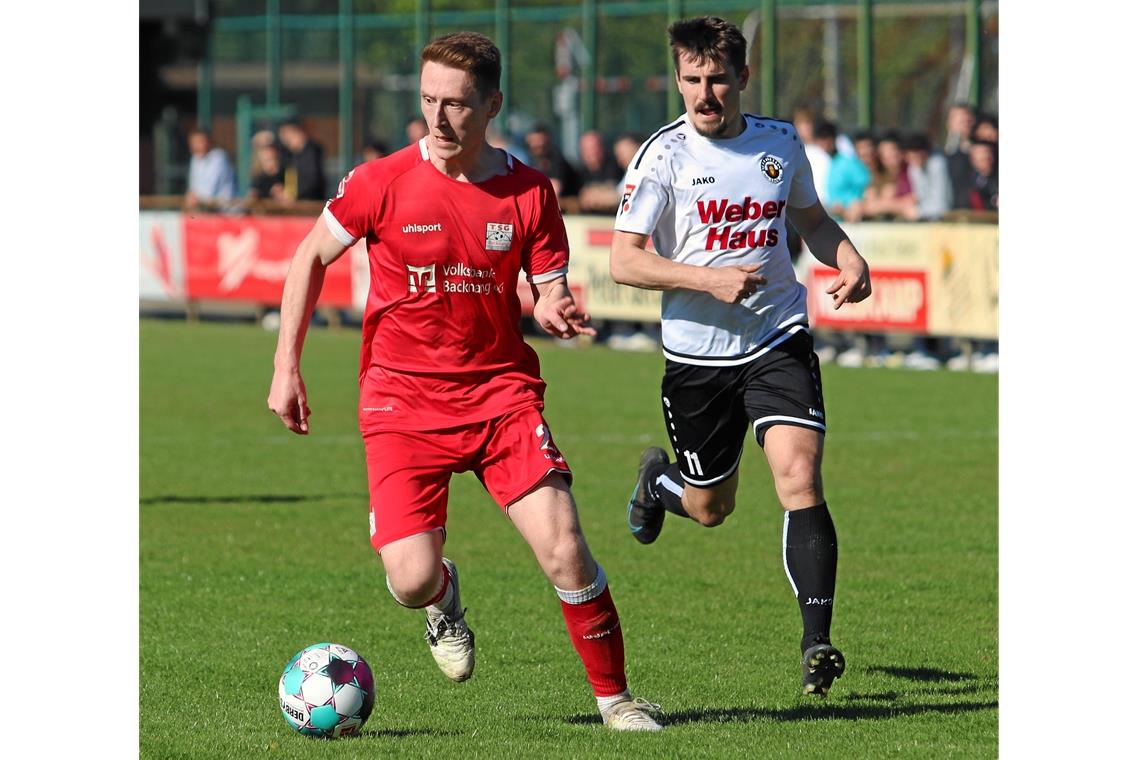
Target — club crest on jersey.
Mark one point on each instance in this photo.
(772, 169)
(499, 236)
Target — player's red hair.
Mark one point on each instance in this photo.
(471, 52)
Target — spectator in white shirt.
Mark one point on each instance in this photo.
(212, 181)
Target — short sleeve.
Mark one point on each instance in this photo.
(349, 214)
(547, 253)
(802, 193)
(644, 199)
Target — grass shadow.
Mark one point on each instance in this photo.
(921, 674)
(402, 733)
(805, 713)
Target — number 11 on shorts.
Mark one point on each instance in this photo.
(694, 463)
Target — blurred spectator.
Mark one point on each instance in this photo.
(496, 139)
(268, 181)
(986, 129)
(803, 119)
(959, 126)
(548, 159)
(212, 181)
(820, 153)
(373, 149)
(849, 177)
(981, 193)
(599, 173)
(305, 177)
(625, 148)
(889, 194)
(416, 129)
(929, 178)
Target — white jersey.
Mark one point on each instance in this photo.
(722, 203)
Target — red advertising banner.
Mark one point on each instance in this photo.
(247, 258)
(899, 301)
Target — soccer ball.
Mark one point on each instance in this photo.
(326, 690)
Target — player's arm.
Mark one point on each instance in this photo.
(556, 312)
(632, 264)
(287, 397)
(831, 246)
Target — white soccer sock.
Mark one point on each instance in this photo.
(592, 591)
(605, 703)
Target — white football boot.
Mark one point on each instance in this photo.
(451, 642)
(632, 715)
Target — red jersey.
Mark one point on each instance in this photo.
(442, 344)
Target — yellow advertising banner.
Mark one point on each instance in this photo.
(931, 279)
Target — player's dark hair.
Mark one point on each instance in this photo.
(471, 52)
(863, 134)
(708, 38)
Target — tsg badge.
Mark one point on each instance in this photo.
(499, 236)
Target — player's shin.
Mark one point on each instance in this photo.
(811, 554)
(595, 631)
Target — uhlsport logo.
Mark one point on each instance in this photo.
(407, 229)
(421, 279)
(772, 169)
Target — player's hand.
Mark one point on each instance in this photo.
(733, 284)
(852, 284)
(288, 400)
(559, 316)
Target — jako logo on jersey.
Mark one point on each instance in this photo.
(421, 279)
(499, 236)
(772, 169)
(626, 196)
(704, 180)
(724, 238)
(409, 228)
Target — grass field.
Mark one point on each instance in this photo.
(253, 542)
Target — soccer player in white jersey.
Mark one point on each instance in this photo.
(714, 189)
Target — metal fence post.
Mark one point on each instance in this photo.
(866, 66)
(273, 62)
(347, 84)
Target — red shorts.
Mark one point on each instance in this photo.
(409, 472)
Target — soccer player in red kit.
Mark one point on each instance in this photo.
(447, 383)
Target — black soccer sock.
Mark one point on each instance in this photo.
(668, 486)
(811, 553)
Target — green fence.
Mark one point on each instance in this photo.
(582, 64)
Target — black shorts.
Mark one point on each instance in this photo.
(708, 409)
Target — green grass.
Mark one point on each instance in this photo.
(253, 543)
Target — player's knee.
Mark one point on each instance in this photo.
(714, 512)
(798, 475)
(413, 587)
(565, 557)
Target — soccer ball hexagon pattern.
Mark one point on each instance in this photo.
(326, 690)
